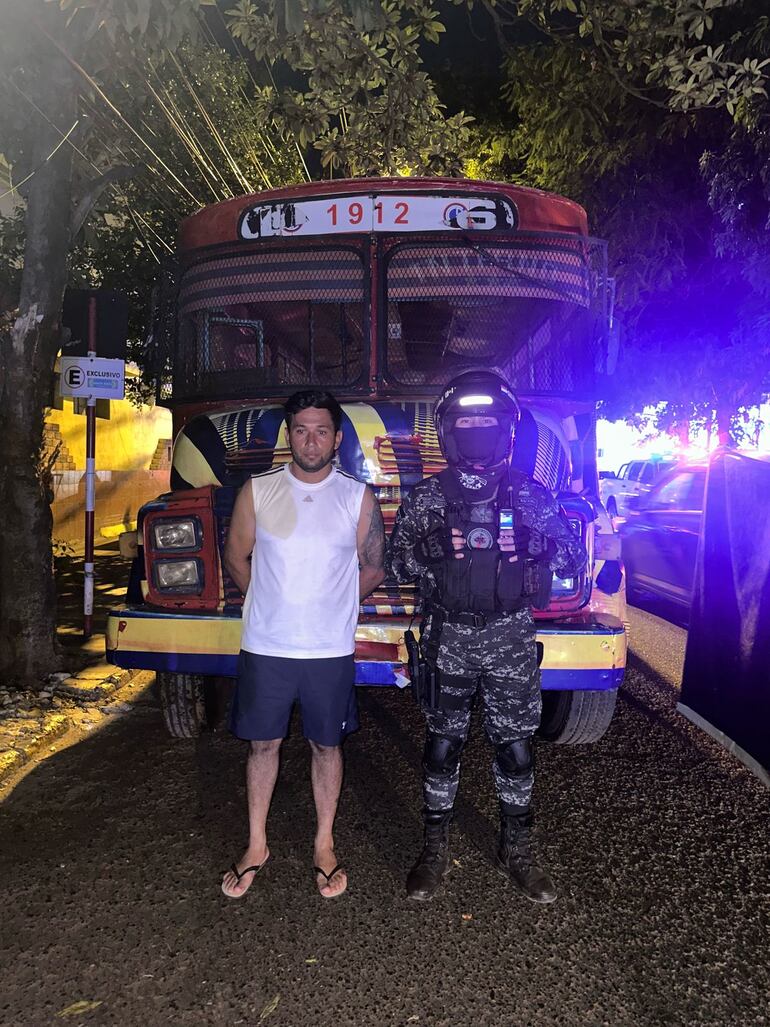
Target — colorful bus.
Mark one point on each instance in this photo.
(378, 290)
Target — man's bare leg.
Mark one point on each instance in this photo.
(326, 775)
(261, 774)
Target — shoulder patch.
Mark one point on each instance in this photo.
(430, 484)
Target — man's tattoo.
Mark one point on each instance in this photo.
(373, 549)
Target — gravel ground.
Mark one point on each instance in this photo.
(111, 853)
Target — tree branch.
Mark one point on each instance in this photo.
(120, 173)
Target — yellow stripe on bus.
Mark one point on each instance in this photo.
(217, 636)
(568, 650)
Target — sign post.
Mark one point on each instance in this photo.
(88, 564)
(93, 378)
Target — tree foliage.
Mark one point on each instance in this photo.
(47, 51)
(363, 100)
(614, 108)
(115, 130)
(680, 54)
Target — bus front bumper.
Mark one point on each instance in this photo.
(585, 652)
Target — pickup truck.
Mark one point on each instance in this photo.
(633, 479)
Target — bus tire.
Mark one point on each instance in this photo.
(183, 704)
(576, 718)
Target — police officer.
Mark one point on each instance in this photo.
(483, 541)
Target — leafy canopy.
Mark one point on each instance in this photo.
(654, 116)
(363, 99)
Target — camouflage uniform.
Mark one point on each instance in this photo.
(500, 659)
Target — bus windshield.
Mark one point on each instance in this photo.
(282, 318)
(524, 307)
(394, 313)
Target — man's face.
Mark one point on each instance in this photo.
(312, 439)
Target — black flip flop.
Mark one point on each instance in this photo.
(242, 873)
(329, 876)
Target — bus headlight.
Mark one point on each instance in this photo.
(563, 586)
(181, 534)
(178, 575)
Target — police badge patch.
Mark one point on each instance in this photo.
(480, 538)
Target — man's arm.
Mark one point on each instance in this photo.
(240, 539)
(420, 537)
(370, 541)
(401, 561)
(567, 555)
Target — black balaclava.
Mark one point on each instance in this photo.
(477, 447)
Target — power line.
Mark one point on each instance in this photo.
(186, 134)
(42, 163)
(253, 80)
(212, 128)
(95, 86)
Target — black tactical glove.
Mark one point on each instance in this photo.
(434, 548)
(541, 548)
(518, 537)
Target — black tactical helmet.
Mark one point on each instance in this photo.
(476, 392)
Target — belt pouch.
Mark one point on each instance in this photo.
(543, 580)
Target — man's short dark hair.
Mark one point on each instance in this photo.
(307, 398)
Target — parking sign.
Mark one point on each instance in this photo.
(92, 376)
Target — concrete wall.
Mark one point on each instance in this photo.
(133, 449)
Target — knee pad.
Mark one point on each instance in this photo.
(516, 758)
(442, 755)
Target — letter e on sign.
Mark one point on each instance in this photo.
(75, 377)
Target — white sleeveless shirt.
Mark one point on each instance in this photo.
(302, 601)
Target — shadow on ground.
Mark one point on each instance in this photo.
(110, 578)
(666, 610)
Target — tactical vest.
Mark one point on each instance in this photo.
(485, 581)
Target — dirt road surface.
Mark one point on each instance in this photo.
(111, 854)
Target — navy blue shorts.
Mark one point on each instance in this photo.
(268, 687)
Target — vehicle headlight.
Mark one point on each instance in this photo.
(563, 586)
(182, 534)
(178, 575)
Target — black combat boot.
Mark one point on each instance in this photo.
(428, 872)
(515, 861)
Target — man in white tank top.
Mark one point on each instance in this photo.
(305, 546)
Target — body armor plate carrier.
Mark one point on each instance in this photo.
(485, 581)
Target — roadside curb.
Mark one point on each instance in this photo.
(51, 727)
(21, 739)
(95, 683)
